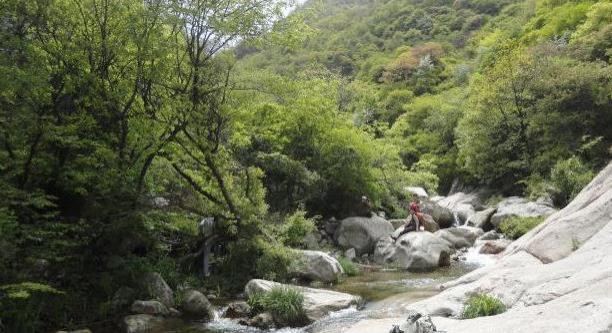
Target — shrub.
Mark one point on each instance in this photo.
(482, 305)
(286, 305)
(569, 177)
(274, 262)
(349, 267)
(516, 226)
(296, 227)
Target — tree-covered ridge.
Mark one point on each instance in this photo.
(124, 123)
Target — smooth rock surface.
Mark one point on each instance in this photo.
(482, 219)
(362, 233)
(415, 251)
(442, 215)
(318, 303)
(316, 266)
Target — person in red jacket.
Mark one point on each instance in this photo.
(415, 211)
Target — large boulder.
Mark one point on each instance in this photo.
(521, 207)
(414, 251)
(419, 191)
(238, 310)
(141, 323)
(428, 223)
(316, 266)
(196, 305)
(149, 307)
(318, 303)
(156, 288)
(461, 236)
(463, 205)
(362, 233)
(442, 215)
(482, 219)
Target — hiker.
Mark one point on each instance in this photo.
(415, 212)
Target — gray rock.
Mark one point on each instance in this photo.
(442, 215)
(516, 206)
(397, 223)
(315, 266)
(195, 304)
(482, 219)
(331, 226)
(149, 307)
(494, 246)
(141, 323)
(362, 233)
(350, 254)
(238, 310)
(461, 236)
(490, 235)
(419, 191)
(414, 251)
(418, 323)
(311, 240)
(318, 303)
(157, 288)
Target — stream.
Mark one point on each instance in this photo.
(384, 291)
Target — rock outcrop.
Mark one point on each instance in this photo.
(442, 215)
(157, 288)
(482, 219)
(318, 303)
(316, 266)
(362, 233)
(414, 251)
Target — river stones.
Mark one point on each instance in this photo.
(141, 323)
(318, 303)
(316, 266)
(196, 305)
(414, 251)
(149, 307)
(362, 233)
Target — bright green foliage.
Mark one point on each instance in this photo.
(569, 177)
(482, 305)
(274, 262)
(515, 227)
(349, 267)
(296, 227)
(284, 303)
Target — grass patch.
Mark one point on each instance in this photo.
(482, 305)
(285, 304)
(516, 226)
(349, 267)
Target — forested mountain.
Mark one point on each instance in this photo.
(123, 123)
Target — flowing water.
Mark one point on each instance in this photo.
(384, 291)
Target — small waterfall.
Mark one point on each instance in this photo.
(474, 257)
(457, 221)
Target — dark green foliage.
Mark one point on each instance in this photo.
(482, 305)
(515, 227)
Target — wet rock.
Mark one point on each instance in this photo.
(263, 321)
(149, 307)
(490, 235)
(494, 246)
(157, 288)
(141, 323)
(362, 233)
(316, 266)
(238, 310)
(196, 305)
